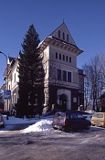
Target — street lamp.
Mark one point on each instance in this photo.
(6, 57)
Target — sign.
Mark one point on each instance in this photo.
(7, 94)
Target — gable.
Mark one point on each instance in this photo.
(63, 33)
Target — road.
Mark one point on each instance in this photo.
(53, 145)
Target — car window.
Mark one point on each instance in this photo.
(74, 116)
(60, 114)
(57, 115)
(79, 116)
(98, 115)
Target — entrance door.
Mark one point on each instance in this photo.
(63, 102)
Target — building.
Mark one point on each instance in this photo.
(63, 84)
(11, 78)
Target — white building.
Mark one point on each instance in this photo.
(62, 77)
(62, 85)
(11, 80)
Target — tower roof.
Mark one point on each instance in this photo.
(61, 38)
(62, 32)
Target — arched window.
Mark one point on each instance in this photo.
(63, 36)
(59, 34)
(67, 38)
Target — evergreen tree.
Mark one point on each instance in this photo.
(31, 75)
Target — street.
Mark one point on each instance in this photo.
(53, 145)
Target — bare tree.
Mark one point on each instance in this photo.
(87, 87)
(94, 81)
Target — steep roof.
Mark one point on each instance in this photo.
(61, 38)
(62, 33)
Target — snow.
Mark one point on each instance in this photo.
(42, 125)
(14, 120)
(35, 124)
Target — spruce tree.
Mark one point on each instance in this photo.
(31, 75)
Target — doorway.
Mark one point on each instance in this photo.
(63, 102)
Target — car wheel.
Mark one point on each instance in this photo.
(63, 128)
(87, 128)
(66, 129)
(54, 126)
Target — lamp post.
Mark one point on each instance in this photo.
(6, 57)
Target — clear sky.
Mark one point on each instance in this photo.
(84, 18)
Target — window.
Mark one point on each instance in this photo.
(67, 38)
(63, 36)
(64, 75)
(66, 58)
(59, 74)
(59, 34)
(69, 76)
(60, 56)
(56, 55)
(100, 115)
(70, 59)
(75, 99)
(63, 57)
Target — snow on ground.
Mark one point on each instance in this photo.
(41, 125)
(35, 124)
(14, 120)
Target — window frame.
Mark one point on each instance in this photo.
(59, 74)
(64, 75)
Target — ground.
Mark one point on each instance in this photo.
(51, 144)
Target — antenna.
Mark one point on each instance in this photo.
(63, 20)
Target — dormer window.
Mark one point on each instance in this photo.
(67, 38)
(63, 36)
(59, 34)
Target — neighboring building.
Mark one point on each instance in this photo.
(11, 80)
(1, 101)
(64, 82)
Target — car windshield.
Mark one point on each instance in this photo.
(98, 115)
(74, 116)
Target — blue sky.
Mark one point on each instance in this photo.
(84, 18)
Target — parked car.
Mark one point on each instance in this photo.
(70, 120)
(87, 115)
(98, 119)
(1, 120)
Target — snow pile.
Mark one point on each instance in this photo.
(41, 125)
(14, 120)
